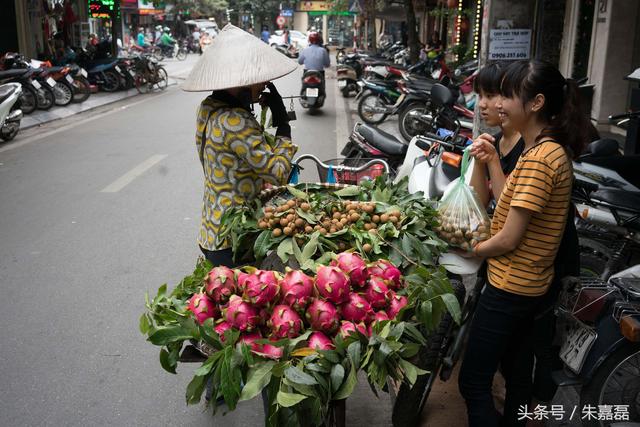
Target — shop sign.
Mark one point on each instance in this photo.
(314, 6)
(287, 13)
(509, 44)
(147, 7)
(128, 4)
(101, 8)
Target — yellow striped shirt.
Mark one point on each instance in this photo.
(541, 183)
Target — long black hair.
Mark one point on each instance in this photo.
(488, 79)
(567, 124)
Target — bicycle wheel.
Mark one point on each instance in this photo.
(182, 54)
(157, 53)
(162, 78)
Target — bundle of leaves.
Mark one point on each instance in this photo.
(302, 337)
(380, 219)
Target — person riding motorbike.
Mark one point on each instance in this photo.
(166, 41)
(315, 57)
(237, 158)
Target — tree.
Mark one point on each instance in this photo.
(196, 8)
(412, 34)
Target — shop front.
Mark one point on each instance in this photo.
(335, 20)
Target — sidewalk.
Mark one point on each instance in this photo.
(177, 71)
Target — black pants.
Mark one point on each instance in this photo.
(222, 257)
(499, 335)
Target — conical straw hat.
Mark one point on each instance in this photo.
(235, 58)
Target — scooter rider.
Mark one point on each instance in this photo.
(315, 57)
(166, 41)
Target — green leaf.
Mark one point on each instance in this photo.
(262, 244)
(287, 400)
(311, 247)
(349, 191)
(166, 335)
(337, 375)
(296, 375)
(145, 325)
(166, 363)
(348, 386)
(453, 306)
(285, 249)
(410, 371)
(308, 216)
(208, 365)
(355, 353)
(257, 379)
(297, 193)
(195, 389)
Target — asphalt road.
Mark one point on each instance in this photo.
(96, 210)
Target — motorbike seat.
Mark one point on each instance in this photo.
(628, 200)
(420, 84)
(12, 73)
(54, 69)
(5, 92)
(382, 140)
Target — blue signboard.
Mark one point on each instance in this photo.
(288, 13)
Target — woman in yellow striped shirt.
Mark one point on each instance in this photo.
(526, 230)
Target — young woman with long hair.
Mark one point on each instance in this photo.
(526, 231)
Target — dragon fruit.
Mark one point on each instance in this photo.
(221, 328)
(357, 309)
(354, 266)
(347, 328)
(220, 284)
(322, 316)
(362, 328)
(241, 315)
(250, 340)
(285, 322)
(242, 280)
(377, 292)
(380, 316)
(320, 341)
(332, 284)
(387, 271)
(297, 289)
(202, 307)
(270, 351)
(261, 288)
(397, 303)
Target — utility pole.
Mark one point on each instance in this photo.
(115, 26)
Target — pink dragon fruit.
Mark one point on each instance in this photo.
(354, 266)
(322, 316)
(320, 341)
(241, 315)
(377, 292)
(357, 309)
(250, 340)
(202, 307)
(297, 289)
(285, 322)
(221, 328)
(242, 280)
(397, 303)
(380, 316)
(261, 288)
(270, 351)
(220, 284)
(387, 271)
(362, 328)
(347, 328)
(332, 284)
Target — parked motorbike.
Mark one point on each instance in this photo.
(288, 50)
(368, 142)
(349, 71)
(600, 323)
(312, 94)
(105, 72)
(149, 73)
(10, 113)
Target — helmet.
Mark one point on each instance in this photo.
(314, 38)
(166, 29)
(158, 27)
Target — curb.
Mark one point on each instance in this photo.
(65, 112)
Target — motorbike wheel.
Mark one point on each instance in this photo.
(111, 81)
(368, 102)
(142, 84)
(409, 401)
(46, 98)
(162, 78)
(594, 257)
(63, 92)
(345, 91)
(616, 382)
(28, 100)
(157, 53)
(181, 55)
(81, 89)
(8, 135)
(410, 127)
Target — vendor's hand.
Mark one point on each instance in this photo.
(483, 149)
(273, 100)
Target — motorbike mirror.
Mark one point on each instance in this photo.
(458, 72)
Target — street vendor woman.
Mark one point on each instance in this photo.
(236, 157)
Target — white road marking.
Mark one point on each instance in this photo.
(342, 133)
(126, 179)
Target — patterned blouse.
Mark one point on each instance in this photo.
(238, 161)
